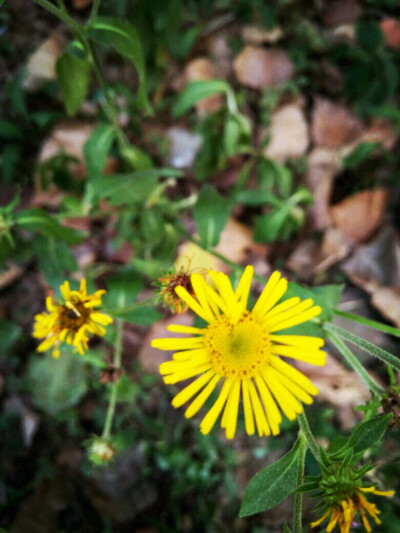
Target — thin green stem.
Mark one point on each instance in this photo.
(306, 430)
(109, 107)
(355, 364)
(114, 387)
(368, 322)
(95, 10)
(60, 14)
(61, 5)
(298, 498)
(380, 353)
(137, 305)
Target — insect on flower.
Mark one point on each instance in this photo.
(70, 321)
(170, 281)
(242, 350)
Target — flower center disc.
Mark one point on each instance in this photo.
(74, 317)
(237, 350)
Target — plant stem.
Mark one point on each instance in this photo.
(381, 354)
(60, 14)
(78, 32)
(114, 387)
(298, 497)
(355, 364)
(370, 323)
(109, 107)
(95, 10)
(305, 428)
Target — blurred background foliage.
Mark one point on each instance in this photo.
(244, 131)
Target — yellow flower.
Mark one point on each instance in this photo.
(241, 349)
(70, 321)
(342, 513)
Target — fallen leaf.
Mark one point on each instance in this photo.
(391, 33)
(259, 35)
(361, 214)
(202, 69)
(379, 131)
(376, 264)
(288, 133)
(340, 12)
(236, 243)
(11, 274)
(387, 301)
(333, 125)
(66, 137)
(322, 166)
(41, 66)
(183, 147)
(257, 68)
(334, 248)
(304, 258)
(192, 257)
(81, 4)
(221, 53)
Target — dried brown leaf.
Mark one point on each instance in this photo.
(391, 32)
(257, 68)
(333, 125)
(361, 214)
(288, 133)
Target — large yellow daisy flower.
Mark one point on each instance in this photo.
(70, 321)
(242, 350)
(342, 514)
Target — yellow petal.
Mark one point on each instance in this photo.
(202, 397)
(212, 415)
(188, 392)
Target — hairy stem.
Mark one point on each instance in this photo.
(368, 322)
(306, 430)
(355, 364)
(298, 498)
(114, 387)
(381, 354)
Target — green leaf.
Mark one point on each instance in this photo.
(142, 316)
(196, 91)
(366, 434)
(359, 154)
(73, 77)
(271, 485)
(55, 260)
(9, 131)
(124, 38)
(130, 188)
(122, 289)
(96, 149)
(211, 213)
(268, 227)
(369, 35)
(38, 220)
(126, 389)
(326, 296)
(56, 384)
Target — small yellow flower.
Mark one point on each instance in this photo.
(343, 513)
(242, 350)
(70, 321)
